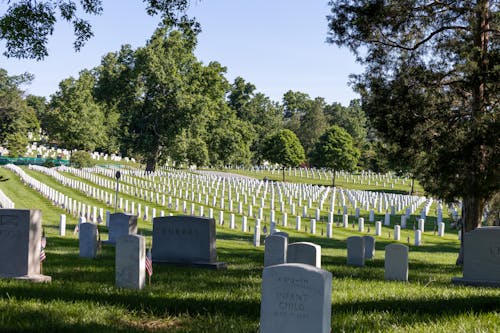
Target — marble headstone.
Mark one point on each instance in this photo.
(356, 251)
(481, 257)
(121, 224)
(20, 244)
(369, 247)
(275, 250)
(396, 262)
(185, 240)
(88, 240)
(130, 262)
(296, 298)
(304, 253)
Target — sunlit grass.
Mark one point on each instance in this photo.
(83, 297)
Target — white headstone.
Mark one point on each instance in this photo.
(88, 240)
(355, 251)
(396, 262)
(130, 257)
(397, 232)
(275, 250)
(304, 253)
(62, 225)
(296, 298)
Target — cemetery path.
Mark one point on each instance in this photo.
(222, 174)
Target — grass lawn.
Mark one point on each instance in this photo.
(83, 298)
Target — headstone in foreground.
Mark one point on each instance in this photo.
(87, 238)
(121, 224)
(130, 262)
(275, 247)
(396, 262)
(296, 298)
(481, 258)
(369, 247)
(356, 251)
(304, 253)
(185, 240)
(20, 245)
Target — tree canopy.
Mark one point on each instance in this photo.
(335, 149)
(431, 88)
(26, 25)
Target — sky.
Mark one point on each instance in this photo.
(277, 45)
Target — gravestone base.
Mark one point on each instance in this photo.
(35, 278)
(475, 283)
(218, 265)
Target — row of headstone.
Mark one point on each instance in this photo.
(5, 201)
(199, 197)
(279, 251)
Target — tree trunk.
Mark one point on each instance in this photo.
(472, 214)
(333, 179)
(283, 174)
(151, 162)
(472, 208)
(412, 189)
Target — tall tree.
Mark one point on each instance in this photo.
(312, 125)
(335, 149)
(240, 94)
(27, 24)
(16, 117)
(265, 117)
(431, 86)
(75, 120)
(284, 148)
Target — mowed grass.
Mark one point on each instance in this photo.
(83, 298)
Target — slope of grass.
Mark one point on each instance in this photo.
(83, 297)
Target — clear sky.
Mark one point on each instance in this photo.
(278, 45)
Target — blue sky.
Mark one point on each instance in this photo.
(278, 45)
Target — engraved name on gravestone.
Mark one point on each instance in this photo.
(295, 298)
(121, 224)
(20, 244)
(130, 262)
(481, 257)
(187, 240)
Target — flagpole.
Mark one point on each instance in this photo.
(117, 175)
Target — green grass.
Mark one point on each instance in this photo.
(83, 298)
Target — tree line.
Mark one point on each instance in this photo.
(160, 102)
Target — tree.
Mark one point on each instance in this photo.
(312, 125)
(431, 87)
(26, 24)
(336, 150)
(75, 120)
(265, 118)
(352, 118)
(284, 148)
(240, 94)
(16, 117)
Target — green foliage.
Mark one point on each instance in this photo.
(26, 25)
(81, 159)
(431, 88)
(16, 117)
(312, 125)
(75, 120)
(284, 148)
(336, 150)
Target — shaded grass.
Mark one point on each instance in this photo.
(83, 298)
